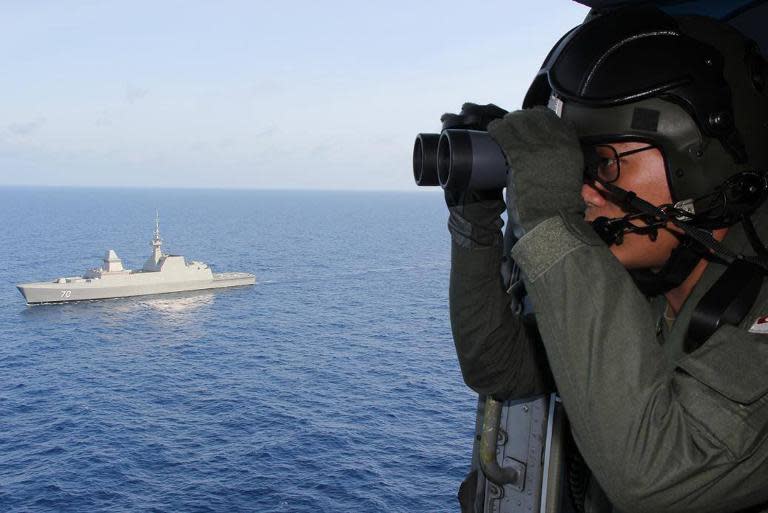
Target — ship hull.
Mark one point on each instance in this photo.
(49, 292)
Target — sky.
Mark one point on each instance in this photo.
(251, 94)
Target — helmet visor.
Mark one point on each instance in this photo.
(607, 60)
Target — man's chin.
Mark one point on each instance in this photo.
(638, 252)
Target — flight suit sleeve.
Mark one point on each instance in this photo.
(500, 354)
(657, 439)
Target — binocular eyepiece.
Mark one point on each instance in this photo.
(459, 159)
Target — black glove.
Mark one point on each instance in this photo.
(472, 117)
(475, 217)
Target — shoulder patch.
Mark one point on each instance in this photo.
(760, 325)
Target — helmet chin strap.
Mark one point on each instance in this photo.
(612, 230)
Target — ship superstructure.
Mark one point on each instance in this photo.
(162, 273)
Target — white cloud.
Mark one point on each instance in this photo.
(134, 93)
(25, 128)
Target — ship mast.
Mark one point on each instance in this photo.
(157, 253)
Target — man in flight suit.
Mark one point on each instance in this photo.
(662, 366)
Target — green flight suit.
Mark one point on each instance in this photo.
(662, 431)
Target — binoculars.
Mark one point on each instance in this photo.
(459, 159)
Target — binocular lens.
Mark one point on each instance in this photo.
(425, 159)
(470, 159)
(454, 159)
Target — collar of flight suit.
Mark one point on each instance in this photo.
(736, 239)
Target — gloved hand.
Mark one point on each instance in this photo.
(473, 116)
(475, 216)
(546, 166)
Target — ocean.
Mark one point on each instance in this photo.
(331, 385)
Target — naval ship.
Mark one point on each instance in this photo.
(161, 274)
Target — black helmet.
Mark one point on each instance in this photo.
(692, 86)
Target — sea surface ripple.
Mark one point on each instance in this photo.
(330, 386)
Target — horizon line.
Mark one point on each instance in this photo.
(414, 189)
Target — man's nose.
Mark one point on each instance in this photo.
(592, 196)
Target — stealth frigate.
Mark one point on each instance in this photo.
(161, 274)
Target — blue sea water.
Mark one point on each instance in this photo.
(329, 386)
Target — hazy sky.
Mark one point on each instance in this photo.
(252, 94)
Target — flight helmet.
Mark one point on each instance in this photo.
(695, 88)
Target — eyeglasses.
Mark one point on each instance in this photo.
(608, 167)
